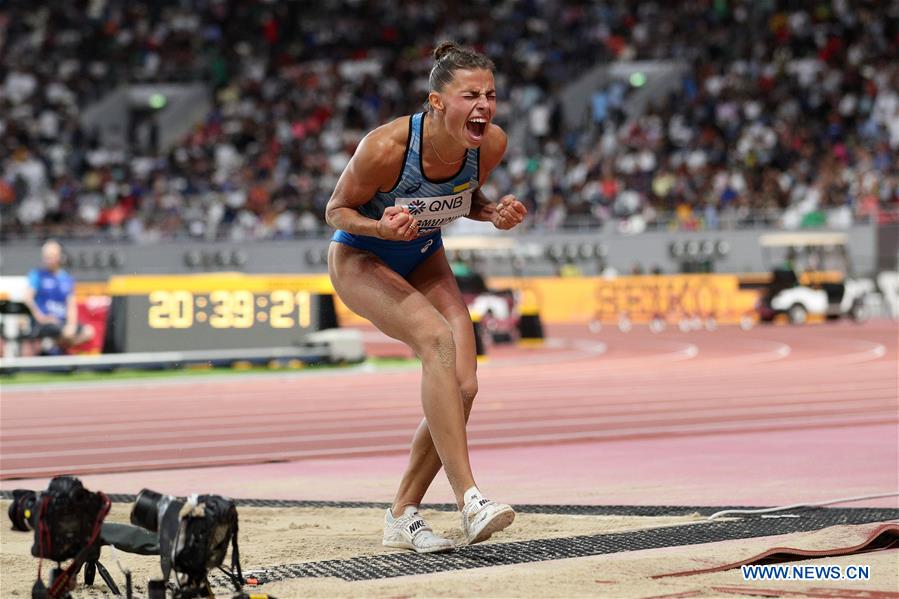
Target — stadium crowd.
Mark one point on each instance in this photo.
(787, 112)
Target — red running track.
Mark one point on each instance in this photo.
(582, 398)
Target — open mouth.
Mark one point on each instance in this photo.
(476, 126)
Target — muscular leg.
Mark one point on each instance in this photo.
(374, 291)
(435, 280)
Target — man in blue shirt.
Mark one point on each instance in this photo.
(51, 299)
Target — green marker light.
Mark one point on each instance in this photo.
(638, 79)
(157, 101)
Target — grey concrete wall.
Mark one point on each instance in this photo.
(99, 260)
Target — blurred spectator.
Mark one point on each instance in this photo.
(788, 114)
(51, 299)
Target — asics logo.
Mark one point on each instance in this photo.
(425, 247)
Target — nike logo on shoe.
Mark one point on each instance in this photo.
(416, 525)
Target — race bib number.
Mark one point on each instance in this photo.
(436, 212)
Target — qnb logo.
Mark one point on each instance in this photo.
(425, 247)
(450, 204)
(416, 207)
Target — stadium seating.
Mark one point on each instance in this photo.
(787, 115)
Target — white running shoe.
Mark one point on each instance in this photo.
(482, 517)
(410, 531)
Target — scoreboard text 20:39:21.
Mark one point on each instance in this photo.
(229, 309)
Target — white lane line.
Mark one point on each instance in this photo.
(874, 351)
(595, 390)
(606, 380)
(684, 351)
(733, 427)
(569, 350)
(581, 412)
(366, 368)
(838, 420)
(53, 388)
(609, 370)
(591, 347)
(536, 424)
(730, 373)
(779, 351)
(210, 460)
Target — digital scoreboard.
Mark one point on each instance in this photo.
(211, 312)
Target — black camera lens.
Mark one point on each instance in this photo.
(149, 508)
(21, 510)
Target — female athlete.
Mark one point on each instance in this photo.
(408, 179)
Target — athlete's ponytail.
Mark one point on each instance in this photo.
(449, 56)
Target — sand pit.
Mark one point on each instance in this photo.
(276, 536)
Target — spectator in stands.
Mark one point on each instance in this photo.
(786, 115)
(51, 299)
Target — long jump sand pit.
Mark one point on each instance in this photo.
(346, 541)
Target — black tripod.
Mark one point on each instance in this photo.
(39, 591)
(91, 569)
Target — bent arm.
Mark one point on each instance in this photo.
(482, 209)
(28, 300)
(492, 153)
(375, 165)
(71, 311)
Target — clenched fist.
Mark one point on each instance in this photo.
(397, 224)
(508, 213)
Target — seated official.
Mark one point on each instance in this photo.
(51, 298)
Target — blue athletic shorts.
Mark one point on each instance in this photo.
(401, 256)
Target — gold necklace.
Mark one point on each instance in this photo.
(440, 158)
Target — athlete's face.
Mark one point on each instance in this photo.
(469, 103)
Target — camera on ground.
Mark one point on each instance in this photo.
(67, 521)
(194, 536)
(191, 535)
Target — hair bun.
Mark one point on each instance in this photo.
(445, 48)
